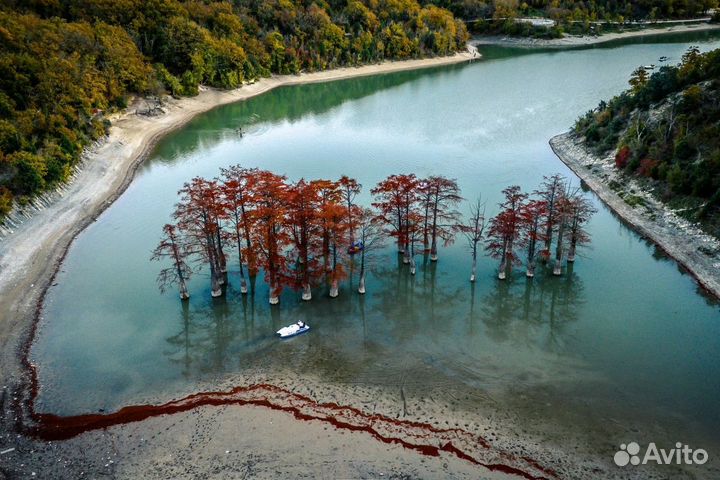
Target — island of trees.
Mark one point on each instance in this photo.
(665, 131)
(64, 64)
(304, 234)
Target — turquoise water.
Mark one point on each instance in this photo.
(624, 336)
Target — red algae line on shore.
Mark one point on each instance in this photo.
(421, 437)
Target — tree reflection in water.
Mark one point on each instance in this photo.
(517, 309)
(403, 324)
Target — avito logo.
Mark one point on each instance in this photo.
(680, 455)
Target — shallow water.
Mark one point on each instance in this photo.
(624, 336)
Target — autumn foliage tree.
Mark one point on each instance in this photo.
(303, 201)
(305, 233)
(236, 202)
(418, 210)
(533, 213)
(394, 198)
(551, 191)
(349, 190)
(198, 216)
(579, 211)
(574, 211)
(506, 228)
(440, 196)
(171, 246)
(268, 193)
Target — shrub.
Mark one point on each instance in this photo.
(622, 157)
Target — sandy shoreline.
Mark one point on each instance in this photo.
(586, 40)
(652, 219)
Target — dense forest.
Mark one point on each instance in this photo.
(596, 16)
(65, 64)
(666, 130)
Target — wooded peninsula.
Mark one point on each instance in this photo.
(665, 131)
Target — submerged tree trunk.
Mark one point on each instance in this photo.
(215, 284)
(243, 283)
(177, 258)
(433, 247)
(215, 287)
(557, 268)
(531, 260)
(503, 270)
(252, 269)
(238, 239)
(361, 284)
(184, 295)
(334, 290)
(222, 262)
(573, 247)
(307, 292)
(474, 268)
(274, 299)
(406, 255)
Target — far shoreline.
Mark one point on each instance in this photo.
(570, 41)
(655, 221)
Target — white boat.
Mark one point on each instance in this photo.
(292, 330)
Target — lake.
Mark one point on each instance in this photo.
(624, 338)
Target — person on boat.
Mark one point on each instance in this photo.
(300, 324)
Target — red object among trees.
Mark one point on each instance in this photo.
(533, 214)
(303, 203)
(198, 216)
(270, 237)
(551, 191)
(394, 198)
(622, 157)
(506, 228)
(301, 233)
(236, 202)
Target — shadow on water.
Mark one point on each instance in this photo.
(547, 302)
(286, 104)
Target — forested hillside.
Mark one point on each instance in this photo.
(65, 63)
(500, 16)
(666, 129)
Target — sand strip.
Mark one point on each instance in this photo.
(586, 40)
